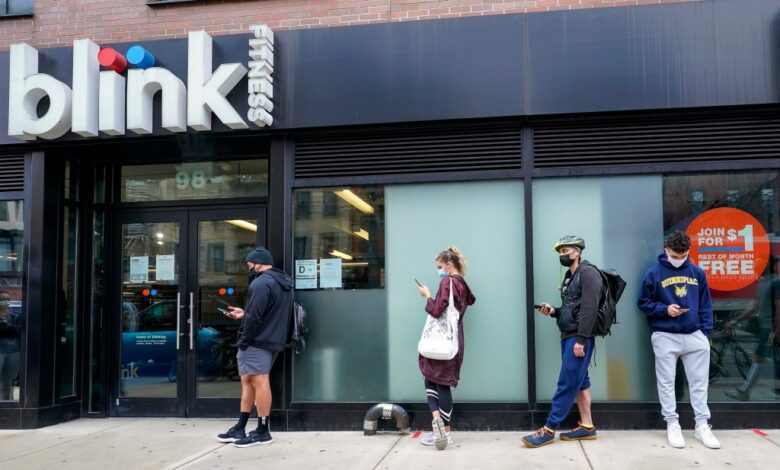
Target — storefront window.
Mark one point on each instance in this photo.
(363, 340)
(733, 220)
(339, 267)
(734, 223)
(66, 339)
(197, 180)
(11, 297)
(621, 220)
(96, 352)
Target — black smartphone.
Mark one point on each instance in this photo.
(537, 306)
(418, 283)
(224, 311)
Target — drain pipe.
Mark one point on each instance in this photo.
(385, 411)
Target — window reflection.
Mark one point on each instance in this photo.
(345, 224)
(745, 357)
(11, 297)
(197, 180)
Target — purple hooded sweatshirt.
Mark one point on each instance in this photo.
(448, 372)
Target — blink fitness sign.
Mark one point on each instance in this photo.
(121, 98)
(731, 247)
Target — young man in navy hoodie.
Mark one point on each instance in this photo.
(676, 299)
(265, 322)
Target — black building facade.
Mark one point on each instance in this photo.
(621, 125)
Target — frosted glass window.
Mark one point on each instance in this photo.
(485, 220)
(363, 340)
(621, 220)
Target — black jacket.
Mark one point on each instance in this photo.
(581, 294)
(268, 311)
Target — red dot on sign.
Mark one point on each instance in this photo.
(112, 60)
(222, 291)
(145, 292)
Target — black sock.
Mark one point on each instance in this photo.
(243, 418)
(262, 423)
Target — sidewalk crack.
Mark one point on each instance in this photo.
(590, 464)
(388, 451)
(192, 458)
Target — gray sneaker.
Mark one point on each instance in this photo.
(439, 434)
(427, 439)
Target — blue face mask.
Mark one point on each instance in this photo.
(442, 273)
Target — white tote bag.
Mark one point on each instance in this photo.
(440, 335)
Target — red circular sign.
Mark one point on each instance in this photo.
(730, 245)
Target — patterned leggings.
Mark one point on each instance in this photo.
(439, 399)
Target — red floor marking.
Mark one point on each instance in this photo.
(416, 434)
(760, 433)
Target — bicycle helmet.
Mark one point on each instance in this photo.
(569, 240)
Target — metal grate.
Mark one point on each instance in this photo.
(669, 140)
(408, 151)
(11, 173)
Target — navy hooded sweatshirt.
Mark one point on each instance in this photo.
(685, 286)
(268, 311)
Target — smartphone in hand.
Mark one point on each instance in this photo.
(225, 311)
(537, 306)
(418, 283)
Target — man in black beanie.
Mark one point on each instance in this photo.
(265, 322)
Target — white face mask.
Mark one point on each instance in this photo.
(442, 273)
(675, 262)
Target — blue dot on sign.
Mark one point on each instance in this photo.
(230, 291)
(140, 57)
(154, 292)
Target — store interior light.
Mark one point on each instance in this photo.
(356, 263)
(243, 224)
(159, 242)
(160, 235)
(362, 233)
(355, 200)
(341, 254)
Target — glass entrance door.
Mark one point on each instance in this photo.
(219, 279)
(176, 354)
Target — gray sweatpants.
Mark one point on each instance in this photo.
(694, 350)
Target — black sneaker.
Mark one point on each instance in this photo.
(232, 435)
(255, 438)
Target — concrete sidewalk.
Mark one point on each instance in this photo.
(191, 444)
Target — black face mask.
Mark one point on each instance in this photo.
(566, 260)
(252, 274)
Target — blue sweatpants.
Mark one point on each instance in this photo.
(572, 378)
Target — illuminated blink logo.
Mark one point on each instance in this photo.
(107, 101)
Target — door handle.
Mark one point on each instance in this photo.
(178, 320)
(192, 321)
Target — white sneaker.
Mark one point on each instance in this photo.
(674, 435)
(427, 439)
(704, 434)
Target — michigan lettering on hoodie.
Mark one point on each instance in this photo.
(685, 286)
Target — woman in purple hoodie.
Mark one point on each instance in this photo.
(440, 376)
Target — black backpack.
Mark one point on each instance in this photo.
(298, 329)
(612, 286)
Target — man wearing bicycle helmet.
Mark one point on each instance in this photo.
(676, 299)
(576, 319)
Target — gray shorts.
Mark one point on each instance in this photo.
(255, 361)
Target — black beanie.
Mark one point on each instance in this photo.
(260, 256)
